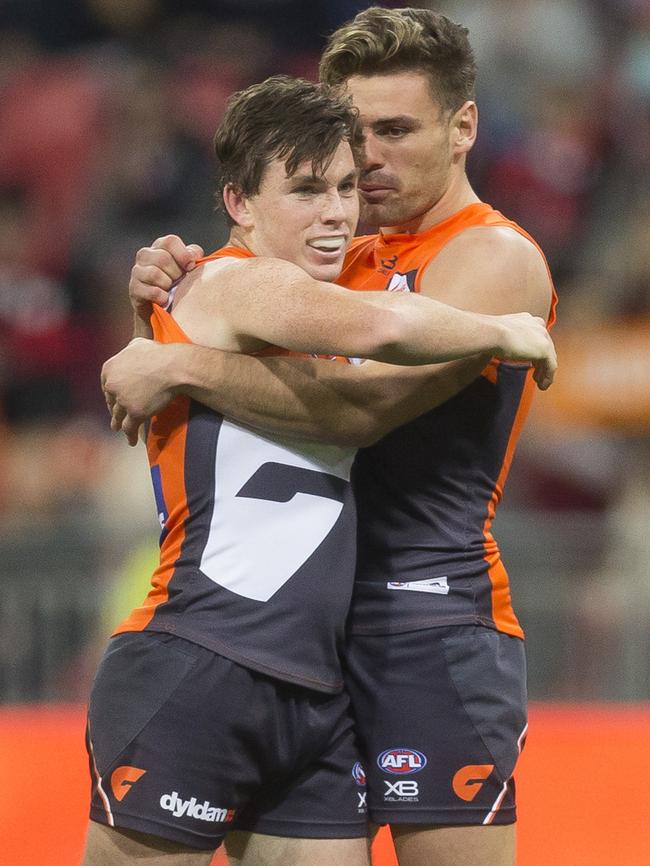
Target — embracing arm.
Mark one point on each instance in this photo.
(306, 398)
(275, 302)
(323, 400)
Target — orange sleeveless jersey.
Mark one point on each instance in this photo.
(427, 493)
(258, 539)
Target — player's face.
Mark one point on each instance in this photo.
(408, 147)
(306, 219)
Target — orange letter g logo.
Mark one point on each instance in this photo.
(468, 781)
(123, 779)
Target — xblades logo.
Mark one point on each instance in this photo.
(469, 780)
(404, 789)
(123, 779)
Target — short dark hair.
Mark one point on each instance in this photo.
(282, 118)
(382, 41)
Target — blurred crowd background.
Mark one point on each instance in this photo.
(107, 111)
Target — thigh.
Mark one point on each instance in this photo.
(441, 716)
(324, 796)
(106, 846)
(454, 845)
(254, 849)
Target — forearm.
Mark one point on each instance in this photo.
(279, 395)
(427, 331)
(279, 304)
(318, 400)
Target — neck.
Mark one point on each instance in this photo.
(237, 239)
(459, 194)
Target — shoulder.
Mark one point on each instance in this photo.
(228, 276)
(491, 269)
(494, 244)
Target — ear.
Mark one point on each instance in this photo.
(464, 128)
(236, 203)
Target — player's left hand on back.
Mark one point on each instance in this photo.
(157, 268)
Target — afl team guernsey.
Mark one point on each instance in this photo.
(427, 492)
(257, 551)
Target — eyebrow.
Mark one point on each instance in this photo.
(398, 120)
(305, 178)
(315, 179)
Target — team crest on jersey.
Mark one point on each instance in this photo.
(401, 762)
(402, 282)
(387, 265)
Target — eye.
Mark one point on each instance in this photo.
(305, 190)
(348, 187)
(395, 131)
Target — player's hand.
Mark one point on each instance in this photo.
(137, 383)
(527, 339)
(157, 268)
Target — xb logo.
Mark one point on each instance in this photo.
(469, 780)
(402, 788)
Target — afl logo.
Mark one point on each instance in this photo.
(359, 774)
(401, 762)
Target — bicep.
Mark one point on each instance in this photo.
(270, 301)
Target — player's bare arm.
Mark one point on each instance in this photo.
(245, 305)
(354, 406)
(306, 398)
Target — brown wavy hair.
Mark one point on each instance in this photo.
(282, 118)
(383, 41)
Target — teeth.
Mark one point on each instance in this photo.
(327, 244)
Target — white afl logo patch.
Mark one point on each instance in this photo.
(401, 762)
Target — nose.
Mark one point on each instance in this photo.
(333, 210)
(372, 156)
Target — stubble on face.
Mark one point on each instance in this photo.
(404, 175)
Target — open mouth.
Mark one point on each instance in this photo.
(329, 244)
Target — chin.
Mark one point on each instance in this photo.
(329, 273)
(376, 215)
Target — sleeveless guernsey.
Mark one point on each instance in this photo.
(257, 551)
(427, 493)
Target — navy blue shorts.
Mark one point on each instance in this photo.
(185, 744)
(441, 718)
